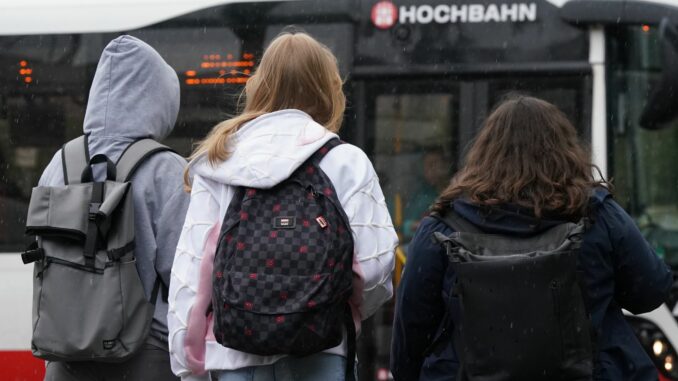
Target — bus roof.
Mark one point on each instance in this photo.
(22, 17)
(27, 17)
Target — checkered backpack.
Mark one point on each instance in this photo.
(283, 267)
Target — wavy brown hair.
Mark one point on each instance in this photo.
(526, 154)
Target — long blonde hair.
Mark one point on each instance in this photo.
(296, 72)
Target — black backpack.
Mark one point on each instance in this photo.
(283, 267)
(522, 310)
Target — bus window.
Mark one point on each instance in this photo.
(642, 161)
(414, 130)
(570, 93)
(44, 83)
(212, 64)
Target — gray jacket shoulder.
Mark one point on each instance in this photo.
(53, 173)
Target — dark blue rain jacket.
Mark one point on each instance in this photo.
(621, 271)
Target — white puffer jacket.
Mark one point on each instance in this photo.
(265, 152)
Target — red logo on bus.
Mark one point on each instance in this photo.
(384, 14)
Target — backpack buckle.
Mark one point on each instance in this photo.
(93, 210)
(30, 256)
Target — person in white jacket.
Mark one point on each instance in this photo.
(294, 104)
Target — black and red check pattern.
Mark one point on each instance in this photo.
(283, 267)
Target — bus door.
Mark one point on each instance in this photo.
(416, 131)
(411, 132)
(410, 128)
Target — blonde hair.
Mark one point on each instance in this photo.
(296, 72)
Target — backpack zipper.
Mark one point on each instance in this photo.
(50, 260)
(317, 194)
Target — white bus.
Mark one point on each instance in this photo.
(420, 77)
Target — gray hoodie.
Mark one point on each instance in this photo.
(134, 95)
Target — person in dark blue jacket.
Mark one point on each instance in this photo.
(527, 172)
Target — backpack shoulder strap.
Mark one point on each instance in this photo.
(74, 159)
(456, 222)
(460, 225)
(315, 160)
(322, 151)
(134, 155)
(130, 160)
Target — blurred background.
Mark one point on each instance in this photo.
(420, 76)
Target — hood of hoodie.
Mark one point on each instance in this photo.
(267, 150)
(134, 94)
(504, 219)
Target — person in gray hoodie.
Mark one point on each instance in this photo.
(135, 95)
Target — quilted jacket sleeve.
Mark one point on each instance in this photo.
(202, 218)
(642, 279)
(375, 239)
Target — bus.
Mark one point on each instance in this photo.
(420, 76)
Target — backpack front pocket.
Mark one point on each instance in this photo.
(84, 317)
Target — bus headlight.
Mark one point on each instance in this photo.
(657, 347)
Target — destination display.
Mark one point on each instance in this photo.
(216, 69)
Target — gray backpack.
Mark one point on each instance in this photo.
(88, 299)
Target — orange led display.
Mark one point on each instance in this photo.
(25, 72)
(646, 28)
(221, 69)
(218, 64)
(215, 81)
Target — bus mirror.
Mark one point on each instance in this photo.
(662, 104)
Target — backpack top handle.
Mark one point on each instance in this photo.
(87, 175)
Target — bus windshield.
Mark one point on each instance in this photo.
(642, 161)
